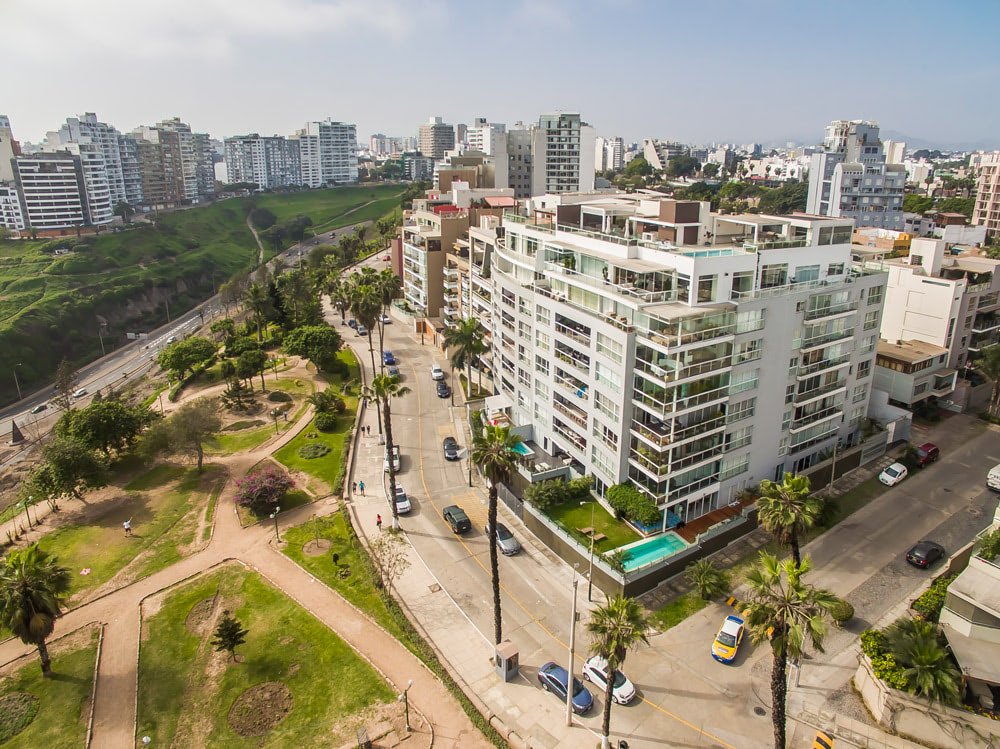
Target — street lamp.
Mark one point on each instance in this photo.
(593, 532)
(404, 698)
(25, 503)
(274, 413)
(572, 647)
(16, 383)
(274, 517)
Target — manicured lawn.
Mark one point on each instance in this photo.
(159, 525)
(677, 611)
(326, 208)
(63, 700)
(329, 467)
(294, 498)
(186, 689)
(229, 443)
(573, 516)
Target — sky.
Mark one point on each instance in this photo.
(700, 71)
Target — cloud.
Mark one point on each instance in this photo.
(61, 31)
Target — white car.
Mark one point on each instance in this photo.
(80, 393)
(596, 670)
(437, 373)
(402, 501)
(385, 319)
(395, 459)
(893, 474)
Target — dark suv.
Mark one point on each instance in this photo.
(455, 517)
(450, 445)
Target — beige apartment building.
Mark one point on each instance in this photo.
(987, 208)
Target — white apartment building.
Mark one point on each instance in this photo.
(562, 148)
(987, 208)
(99, 205)
(778, 168)
(11, 215)
(106, 137)
(691, 354)
(52, 190)
(188, 153)
(951, 301)
(328, 153)
(268, 161)
(8, 150)
(487, 137)
(131, 173)
(609, 153)
(659, 152)
(851, 179)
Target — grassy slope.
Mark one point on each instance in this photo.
(327, 206)
(328, 680)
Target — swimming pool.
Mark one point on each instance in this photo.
(652, 550)
(521, 449)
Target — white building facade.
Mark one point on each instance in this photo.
(328, 153)
(562, 147)
(267, 161)
(52, 190)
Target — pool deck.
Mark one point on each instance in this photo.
(692, 528)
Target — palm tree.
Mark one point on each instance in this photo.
(787, 510)
(782, 606)
(493, 452)
(616, 628)
(466, 342)
(257, 299)
(918, 645)
(33, 589)
(366, 304)
(383, 388)
(989, 365)
(706, 578)
(388, 285)
(340, 297)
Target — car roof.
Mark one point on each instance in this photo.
(927, 446)
(897, 467)
(555, 670)
(732, 624)
(925, 546)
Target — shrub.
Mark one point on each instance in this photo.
(628, 502)
(989, 545)
(547, 494)
(325, 422)
(884, 665)
(261, 490)
(314, 450)
(706, 578)
(930, 602)
(276, 396)
(842, 611)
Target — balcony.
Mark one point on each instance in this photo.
(570, 384)
(823, 339)
(826, 434)
(815, 368)
(804, 421)
(819, 392)
(676, 406)
(833, 310)
(620, 322)
(655, 466)
(575, 359)
(563, 429)
(571, 413)
(683, 491)
(573, 333)
(663, 371)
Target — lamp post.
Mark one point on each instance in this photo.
(274, 516)
(274, 413)
(404, 698)
(593, 532)
(16, 383)
(572, 648)
(25, 503)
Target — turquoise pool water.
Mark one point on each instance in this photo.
(521, 449)
(652, 550)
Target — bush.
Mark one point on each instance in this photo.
(325, 422)
(628, 502)
(930, 602)
(989, 545)
(262, 490)
(842, 611)
(884, 665)
(314, 450)
(547, 494)
(277, 396)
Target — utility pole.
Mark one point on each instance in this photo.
(572, 648)
(16, 383)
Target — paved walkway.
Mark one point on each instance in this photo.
(119, 611)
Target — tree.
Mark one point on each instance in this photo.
(340, 297)
(237, 397)
(191, 426)
(254, 362)
(229, 635)
(33, 590)
(989, 365)
(105, 425)
(710, 170)
(231, 293)
(466, 342)
(317, 343)
(616, 628)
(73, 468)
(366, 306)
(706, 578)
(181, 356)
(682, 166)
(913, 203)
(494, 452)
(786, 199)
(780, 603)
(224, 328)
(638, 167)
(383, 389)
(917, 644)
(65, 384)
(787, 510)
(388, 555)
(257, 300)
(298, 299)
(124, 210)
(262, 490)
(263, 218)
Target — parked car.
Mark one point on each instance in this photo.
(436, 372)
(443, 390)
(387, 258)
(504, 540)
(727, 641)
(893, 474)
(385, 319)
(392, 370)
(927, 453)
(924, 554)
(361, 330)
(395, 459)
(993, 478)
(80, 393)
(39, 408)
(596, 671)
(455, 517)
(171, 339)
(388, 357)
(402, 501)
(352, 323)
(554, 678)
(450, 445)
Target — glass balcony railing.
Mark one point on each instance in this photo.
(803, 421)
(813, 368)
(820, 390)
(834, 309)
(824, 338)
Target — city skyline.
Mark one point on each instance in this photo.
(725, 77)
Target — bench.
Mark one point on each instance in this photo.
(598, 537)
(586, 531)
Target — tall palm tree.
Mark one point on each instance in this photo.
(388, 285)
(366, 304)
(616, 628)
(33, 589)
(989, 365)
(257, 299)
(465, 341)
(493, 452)
(792, 612)
(383, 389)
(787, 510)
(340, 297)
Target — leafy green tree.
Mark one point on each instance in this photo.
(181, 356)
(33, 590)
(237, 397)
(956, 205)
(229, 635)
(383, 389)
(786, 199)
(638, 167)
(73, 468)
(706, 578)
(615, 628)
(493, 450)
(710, 170)
(105, 425)
(65, 383)
(224, 328)
(989, 365)
(466, 341)
(298, 300)
(787, 510)
(682, 166)
(124, 210)
(340, 297)
(317, 343)
(263, 218)
(258, 302)
(913, 203)
(188, 430)
(254, 362)
(792, 613)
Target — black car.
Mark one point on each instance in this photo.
(352, 323)
(455, 517)
(924, 554)
(450, 448)
(555, 679)
(443, 390)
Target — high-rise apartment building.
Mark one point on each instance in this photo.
(9, 148)
(987, 208)
(659, 152)
(11, 213)
(106, 137)
(435, 138)
(195, 157)
(519, 160)
(562, 148)
(160, 166)
(131, 173)
(687, 353)
(851, 179)
(328, 153)
(53, 191)
(609, 153)
(267, 161)
(489, 138)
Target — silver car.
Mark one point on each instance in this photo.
(505, 540)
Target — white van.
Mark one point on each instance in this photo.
(993, 478)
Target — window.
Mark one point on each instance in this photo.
(600, 459)
(541, 364)
(541, 389)
(742, 283)
(744, 381)
(869, 344)
(747, 351)
(864, 369)
(859, 393)
(871, 320)
(856, 415)
(706, 289)
(542, 314)
(541, 413)
(739, 438)
(747, 322)
(789, 393)
(523, 377)
(835, 269)
(607, 406)
(773, 275)
(918, 389)
(742, 410)
(806, 273)
(524, 330)
(541, 341)
(608, 376)
(875, 294)
(609, 347)
(783, 446)
(608, 436)
(733, 465)
(786, 419)
(523, 307)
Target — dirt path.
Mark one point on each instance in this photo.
(260, 256)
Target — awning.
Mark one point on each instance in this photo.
(978, 659)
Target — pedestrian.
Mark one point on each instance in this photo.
(361, 486)
(128, 527)
(378, 522)
(354, 487)
(369, 428)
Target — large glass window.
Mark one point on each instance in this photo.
(742, 282)
(773, 275)
(706, 289)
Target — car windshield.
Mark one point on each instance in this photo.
(577, 688)
(892, 472)
(503, 534)
(726, 639)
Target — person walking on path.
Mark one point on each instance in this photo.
(354, 487)
(378, 522)
(368, 427)
(361, 486)
(128, 527)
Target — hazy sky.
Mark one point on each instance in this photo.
(696, 71)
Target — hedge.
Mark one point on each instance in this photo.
(325, 422)
(631, 504)
(883, 664)
(931, 601)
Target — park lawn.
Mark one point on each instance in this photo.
(677, 611)
(328, 468)
(227, 443)
(572, 516)
(292, 499)
(327, 206)
(158, 522)
(63, 700)
(184, 684)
